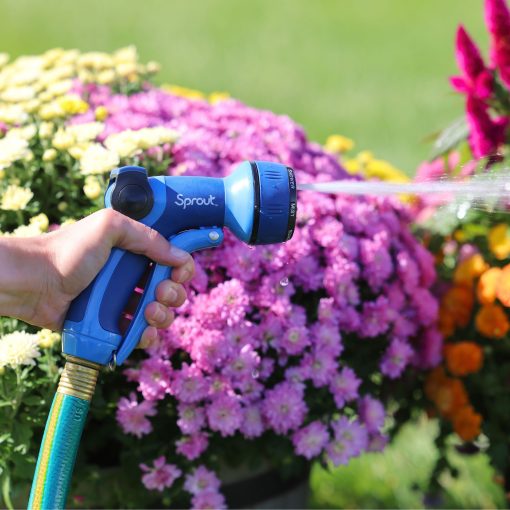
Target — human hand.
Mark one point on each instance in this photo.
(43, 274)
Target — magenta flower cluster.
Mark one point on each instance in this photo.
(265, 329)
(487, 129)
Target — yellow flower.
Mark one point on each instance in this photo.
(78, 150)
(352, 166)
(217, 97)
(51, 111)
(72, 105)
(499, 241)
(59, 88)
(46, 129)
(92, 187)
(12, 114)
(106, 77)
(25, 132)
(338, 144)
(15, 198)
(95, 60)
(469, 269)
(49, 155)
(62, 206)
(47, 338)
(41, 221)
(63, 139)
(153, 67)
(101, 113)
(183, 92)
(98, 160)
(384, 171)
(69, 221)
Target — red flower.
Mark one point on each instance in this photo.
(497, 17)
(486, 134)
(476, 79)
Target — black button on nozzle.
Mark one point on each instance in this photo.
(132, 194)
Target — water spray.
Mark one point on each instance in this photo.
(257, 203)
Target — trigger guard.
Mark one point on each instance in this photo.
(190, 241)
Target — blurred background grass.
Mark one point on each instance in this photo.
(374, 70)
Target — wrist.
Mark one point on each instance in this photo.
(25, 278)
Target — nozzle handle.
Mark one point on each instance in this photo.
(190, 241)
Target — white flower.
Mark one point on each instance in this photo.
(25, 132)
(63, 139)
(31, 230)
(15, 198)
(12, 149)
(125, 143)
(59, 88)
(49, 155)
(41, 221)
(86, 132)
(46, 129)
(12, 114)
(127, 54)
(47, 338)
(98, 160)
(18, 348)
(92, 187)
(18, 94)
(4, 58)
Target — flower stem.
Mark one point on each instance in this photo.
(6, 490)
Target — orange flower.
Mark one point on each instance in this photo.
(466, 423)
(458, 303)
(491, 321)
(487, 285)
(469, 269)
(503, 286)
(499, 241)
(446, 323)
(463, 358)
(447, 393)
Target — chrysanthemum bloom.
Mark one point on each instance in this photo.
(487, 285)
(18, 349)
(161, 476)
(492, 322)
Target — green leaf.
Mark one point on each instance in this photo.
(450, 138)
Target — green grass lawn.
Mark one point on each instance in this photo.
(375, 70)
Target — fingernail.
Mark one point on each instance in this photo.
(185, 275)
(170, 295)
(178, 253)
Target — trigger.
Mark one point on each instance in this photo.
(198, 239)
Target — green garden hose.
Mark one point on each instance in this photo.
(62, 435)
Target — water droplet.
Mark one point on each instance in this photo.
(462, 210)
(284, 281)
(255, 373)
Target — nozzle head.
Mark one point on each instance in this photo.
(275, 204)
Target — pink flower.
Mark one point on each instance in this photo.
(284, 407)
(211, 500)
(191, 418)
(310, 440)
(132, 415)
(189, 384)
(154, 378)
(252, 425)
(224, 414)
(161, 476)
(294, 340)
(320, 366)
(497, 17)
(192, 446)
(476, 79)
(201, 480)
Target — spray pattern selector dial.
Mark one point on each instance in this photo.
(131, 193)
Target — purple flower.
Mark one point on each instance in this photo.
(294, 340)
(189, 384)
(224, 414)
(310, 440)
(372, 414)
(349, 440)
(375, 319)
(132, 415)
(192, 446)
(396, 358)
(344, 386)
(161, 476)
(284, 407)
(154, 378)
(252, 425)
(210, 500)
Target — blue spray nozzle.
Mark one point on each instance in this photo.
(257, 202)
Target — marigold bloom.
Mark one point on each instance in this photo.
(463, 358)
(448, 394)
(469, 269)
(338, 144)
(491, 321)
(466, 423)
(499, 241)
(458, 304)
(503, 286)
(487, 285)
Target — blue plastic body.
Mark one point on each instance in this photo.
(190, 212)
